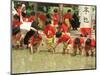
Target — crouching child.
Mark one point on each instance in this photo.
(78, 46)
(49, 32)
(65, 39)
(35, 42)
(90, 47)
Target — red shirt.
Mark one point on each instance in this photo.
(42, 17)
(64, 28)
(36, 41)
(55, 18)
(49, 31)
(31, 19)
(93, 43)
(64, 38)
(81, 41)
(16, 23)
(68, 16)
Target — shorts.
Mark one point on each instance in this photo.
(50, 42)
(28, 36)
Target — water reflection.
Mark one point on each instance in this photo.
(23, 61)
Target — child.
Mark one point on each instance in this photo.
(65, 39)
(64, 28)
(85, 32)
(41, 17)
(75, 21)
(56, 18)
(16, 24)
(34, 42)
(67, 18)
(15, 29)
(16, 40)
(19, 10)
(89, 46)
(78, 45)
(34, 28)
(19, 40)
(32, 17)
(49, 31)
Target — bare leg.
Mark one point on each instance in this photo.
(31, 47)
(64, 49)
(74, 51)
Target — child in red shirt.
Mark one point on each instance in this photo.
(16, 21)
(41, 19)
(67, 18)
(64, 28)
(35, 42)
(32, 17)
(78, 45)
(49, 31)
(16, 30)
(55, 18)
(90, 44)
(68, 15)
(16, 24)
(65, 39)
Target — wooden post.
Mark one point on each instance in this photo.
(61, 12)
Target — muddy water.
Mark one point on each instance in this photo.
(24, 62)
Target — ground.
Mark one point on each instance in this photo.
(24, 62)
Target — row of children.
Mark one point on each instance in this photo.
(71, 45)
(26, 14)
(34, 38)
(20, 17)
(53, 31)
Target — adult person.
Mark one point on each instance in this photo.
(75, 21)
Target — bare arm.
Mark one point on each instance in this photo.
(67, 22)
(33, 28)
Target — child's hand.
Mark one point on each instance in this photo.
(40, 32)
(54, 46)
(29, 45)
